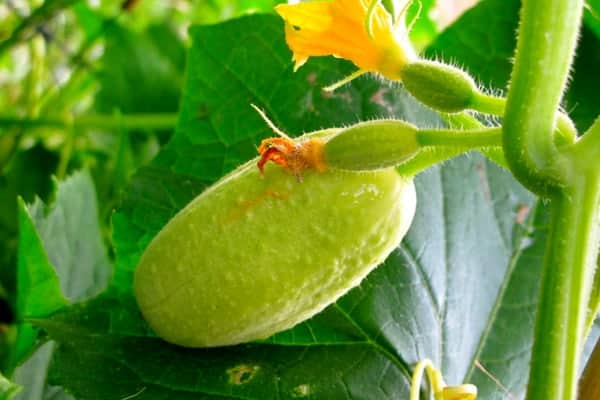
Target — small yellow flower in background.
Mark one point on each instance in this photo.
(338, 28)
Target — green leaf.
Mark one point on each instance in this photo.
(592, 16)
(581, 98)
(213, 11)
(7, 388)
(424, 29)
(61, 259)
(38, 283)
(448, 293)
(502, 359)
(141, 72)
(27, 175)
(90, 21)
(31, 375)
(97, 365)
(69, 230)
(38, 287)
(483, 41)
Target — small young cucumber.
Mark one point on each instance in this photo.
(442, 87)
(371, 145)
(256, 254)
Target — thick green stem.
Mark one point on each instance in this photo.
(569, 267)
(545, 49)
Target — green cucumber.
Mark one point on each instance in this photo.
(372, 145)
(442, 87)
(256, 254)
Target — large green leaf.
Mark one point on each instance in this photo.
(450, 292)
(61, 258)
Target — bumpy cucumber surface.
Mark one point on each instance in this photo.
(254, 255)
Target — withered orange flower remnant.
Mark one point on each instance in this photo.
(294, 156)
(338, 28)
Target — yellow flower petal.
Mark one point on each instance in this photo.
(337, 28)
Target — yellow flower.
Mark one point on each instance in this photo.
(338, 28)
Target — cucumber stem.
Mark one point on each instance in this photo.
(545, 49)
(494, 105)
(569, 267)
(99, 121)
(475, 138)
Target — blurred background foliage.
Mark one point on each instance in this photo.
(96, 84)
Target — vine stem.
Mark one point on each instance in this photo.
(569, 267)
(494, 105)
(475, 138)
(545, 49)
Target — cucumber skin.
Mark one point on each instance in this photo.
(254, 255)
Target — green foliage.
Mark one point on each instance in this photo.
(435, 314)
(462, 288)
(26, 176)
(7, 388)
(61, 259)
(141, 72)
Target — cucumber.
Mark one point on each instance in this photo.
(256, 253)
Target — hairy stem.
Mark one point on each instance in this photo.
(476, 138)
(545, 49)
(486, 104)
(569, 267)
